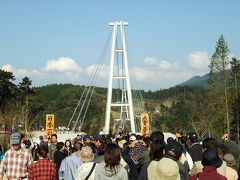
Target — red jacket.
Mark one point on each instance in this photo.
(209, 173)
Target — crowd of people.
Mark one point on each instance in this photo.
(122, 157)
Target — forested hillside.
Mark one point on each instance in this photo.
(214, 110)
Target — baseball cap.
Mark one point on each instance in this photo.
(192, 136)
(15, 138)
(174, 149)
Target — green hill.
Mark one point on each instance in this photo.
(197, 81)
(61, 99)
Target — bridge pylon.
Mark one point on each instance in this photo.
(119, 73)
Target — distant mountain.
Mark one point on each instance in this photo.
(197, 81)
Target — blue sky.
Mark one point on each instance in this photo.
(168, 41)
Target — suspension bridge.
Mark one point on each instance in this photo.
(129, 105)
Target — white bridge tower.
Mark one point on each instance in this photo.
(119, 73)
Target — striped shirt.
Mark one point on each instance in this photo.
(15, 164)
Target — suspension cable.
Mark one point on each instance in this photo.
(90, 80)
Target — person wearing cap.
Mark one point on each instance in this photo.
(195, 148)
(210, 161)
(87, 169)
(231, 173)
(174, 151)
(17, 160)
(165, 169)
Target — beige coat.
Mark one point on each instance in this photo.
(197, 167)
(231, 173)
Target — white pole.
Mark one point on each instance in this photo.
(109, 97)
(129, 92)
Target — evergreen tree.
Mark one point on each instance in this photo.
(7, 89)
(218, 90)
(235, 94)
(25, 92)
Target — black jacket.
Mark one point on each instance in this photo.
(134, 168)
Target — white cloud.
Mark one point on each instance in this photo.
(165, 65)
(198, 60)
(62, 64)
(154, 75)
(150, 61)
(162, 64)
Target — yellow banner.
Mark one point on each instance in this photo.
(145, 124)
(49, 125)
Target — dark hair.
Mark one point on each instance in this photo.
(41, 138)
(139, 137)
(92, 146)
(112, 156)
(210, 143)
(156, 152)
(27, 143)
(42, 151)
(77, 146)
(170, 139)
(69, 142)
(157, 136)
(101, 150)
(147, 141)
(179, 131)
(54, 135)
(59, 145)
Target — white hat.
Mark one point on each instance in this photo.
(132, 138)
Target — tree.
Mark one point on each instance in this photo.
(7, 89)
(25, 92)
(218, 90)
(235, 93)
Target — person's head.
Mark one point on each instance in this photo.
(179, 133)
(165, 169)
(42, 151)
(170, 139)
(87, 139)
(147, 141)
(68, 143)
(210, 143)
(15, 141)
(139, 137)
(173, 150)
(156, 152)
(98, 141)
(132, 138)
(27, 143)
(157, 136)
(112, 156)
(77, 147)
(86, 154)
(192, 137)
(211, 158)
(59, 145)
(41, 138)
(54, 138)
(229, 159)
(79, 136)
